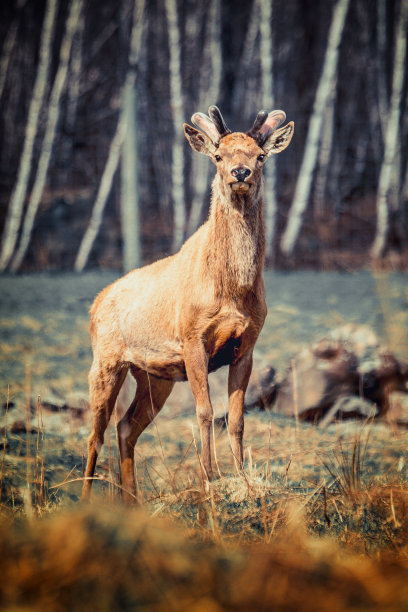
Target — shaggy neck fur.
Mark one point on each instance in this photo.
(236, 248)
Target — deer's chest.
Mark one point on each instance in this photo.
(227, 338)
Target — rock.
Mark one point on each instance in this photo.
(260, 393)
(381, 376)
(380, 372)
(19, 427)
(348, 363)
(262, 387)
(349, 406)
(397, 413)
(51, 404)
(359, 338)
(8, 405)
(316, 378)
(74, 403)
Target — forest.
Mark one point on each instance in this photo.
(95, 171)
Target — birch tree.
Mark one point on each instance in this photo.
(241, 97)
(104, 190)
(19, 193)
(381, 47)
(324, 89)
(129, 203)
(209, 91)
(129, 197)
(51, 126)
(176, 104)
(266, 54)
(74, 80)
(391, 133)
(325, 153)
(8, 45)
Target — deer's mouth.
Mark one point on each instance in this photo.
(240, 187)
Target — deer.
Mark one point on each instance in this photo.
(190, 313)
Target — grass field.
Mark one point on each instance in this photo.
(317, 521)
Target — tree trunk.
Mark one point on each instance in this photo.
(246, 61)
(18, 196)
(266, 54)
(381, 64)
(74, 79)
(176, 104)
(325, 86)
(50, 130)
(8, 45)
(391, 134)
(130, 195)
(209, 91)
(105, 187)
(325, 155)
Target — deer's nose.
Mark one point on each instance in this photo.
(241, 173)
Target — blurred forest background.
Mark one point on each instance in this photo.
(94, 167)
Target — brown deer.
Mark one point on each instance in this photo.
(193, 312)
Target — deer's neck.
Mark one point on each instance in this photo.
(236, 239)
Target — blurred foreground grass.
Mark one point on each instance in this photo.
(110, 558)
(317, 521)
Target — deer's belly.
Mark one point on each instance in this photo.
(226, 338)
(163, 360)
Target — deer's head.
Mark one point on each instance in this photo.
(239, 157)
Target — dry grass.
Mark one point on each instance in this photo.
(110, 558)
(272, 538)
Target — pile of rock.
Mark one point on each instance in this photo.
(345, 374)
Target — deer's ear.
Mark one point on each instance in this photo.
(199, 141)
(279, 140)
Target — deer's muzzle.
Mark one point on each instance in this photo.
(241, 174)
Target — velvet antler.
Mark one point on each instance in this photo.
(264, 124)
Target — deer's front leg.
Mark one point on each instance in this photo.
(237, 383)
(196, 361)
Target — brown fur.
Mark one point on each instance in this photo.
(187, 314)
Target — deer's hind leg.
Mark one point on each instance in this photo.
(151, 394)
(104, 384)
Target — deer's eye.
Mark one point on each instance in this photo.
(218, 158)
(261, 157)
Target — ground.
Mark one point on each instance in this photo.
(346, 481)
